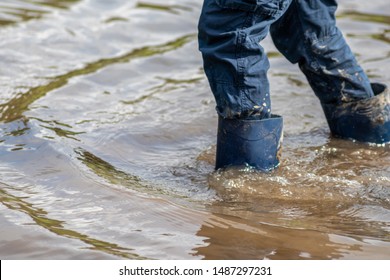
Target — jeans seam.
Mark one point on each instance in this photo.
(240, 57)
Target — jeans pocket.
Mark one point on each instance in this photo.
(268, 7)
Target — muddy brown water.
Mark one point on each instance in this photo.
(107, 143)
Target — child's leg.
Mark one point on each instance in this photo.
(307, 34)
(354, 108)
(230, 32)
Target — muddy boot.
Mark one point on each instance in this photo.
(254, 143)
(366, 120)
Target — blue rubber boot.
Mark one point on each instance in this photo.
(249, 142)
(365, 120)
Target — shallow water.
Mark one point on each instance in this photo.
(107, 143)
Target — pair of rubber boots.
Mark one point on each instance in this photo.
(257, 143)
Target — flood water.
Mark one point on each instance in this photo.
(107, 143)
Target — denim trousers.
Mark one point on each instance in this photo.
(304, 31)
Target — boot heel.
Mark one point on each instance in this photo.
(366, 120)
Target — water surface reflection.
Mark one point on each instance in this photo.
(107, 144)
